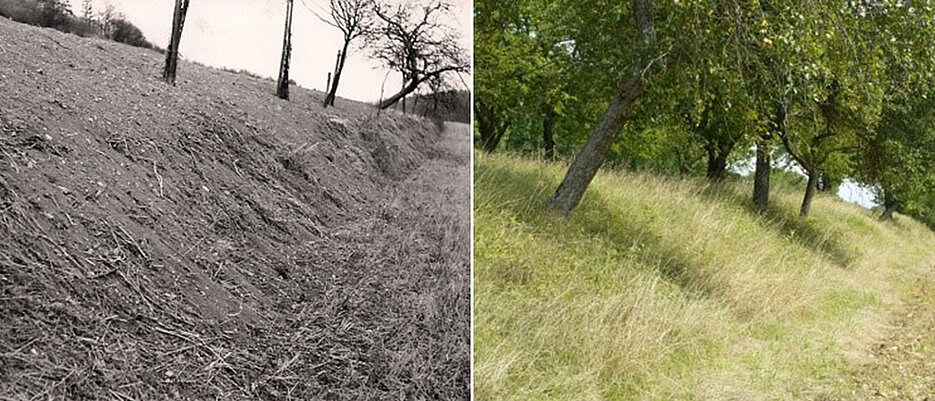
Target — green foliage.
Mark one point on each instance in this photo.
(844, 84)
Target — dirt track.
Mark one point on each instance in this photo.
(902, 367)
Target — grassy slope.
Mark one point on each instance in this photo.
(660, 288)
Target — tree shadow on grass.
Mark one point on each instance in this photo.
(805, 231)
(629, 235)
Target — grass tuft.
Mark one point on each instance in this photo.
(662, 288)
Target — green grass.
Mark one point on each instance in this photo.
(662, 288)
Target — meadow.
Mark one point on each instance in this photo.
(668, 288)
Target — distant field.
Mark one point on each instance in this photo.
(661, 288)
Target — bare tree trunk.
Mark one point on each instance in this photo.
(175, 37)
(548, 139)
(589, 160)
(339, 68)
(810, 190)
(401, 95)
(282, 85)
(761, 176)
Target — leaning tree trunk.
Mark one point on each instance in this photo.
(407, 89)
(548, 137)
(175, 37)
(761, 175)
(282, 85)
(589, 160)
(810, 190)
(332, 93)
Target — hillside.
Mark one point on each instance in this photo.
(670, 289)
(210, 241)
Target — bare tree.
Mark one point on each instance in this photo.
(352, 18)
(172, 53)
(105, 19)
(87, 10)
(282, 85)
(414, 42)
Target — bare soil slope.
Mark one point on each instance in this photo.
(210, 241)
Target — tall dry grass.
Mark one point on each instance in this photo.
(664, 288)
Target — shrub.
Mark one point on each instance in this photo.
(56, 14)
(125, 32)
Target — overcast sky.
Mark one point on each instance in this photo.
(247, 34)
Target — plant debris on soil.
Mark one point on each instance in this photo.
(210, 241)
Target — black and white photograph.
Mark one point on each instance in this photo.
(235, 199)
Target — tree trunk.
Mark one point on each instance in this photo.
(282, 85)
(589, 160)
(888, 213)
(175, 37)
(761, 176)
(777, 126)
(342, 57)
(810, 190)
(889, 204)
(407, 89)
(548, 139)
(491, 130)
(717, 162)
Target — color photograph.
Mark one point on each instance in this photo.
(704, 200)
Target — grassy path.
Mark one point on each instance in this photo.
(903, 362)
(403, 293)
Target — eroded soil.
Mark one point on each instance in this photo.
(210, 241)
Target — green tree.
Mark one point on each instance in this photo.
(589, 160)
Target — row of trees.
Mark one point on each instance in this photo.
(57, 14)
(842, 88)
(410, 38)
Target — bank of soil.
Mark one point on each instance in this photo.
(210, 241)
